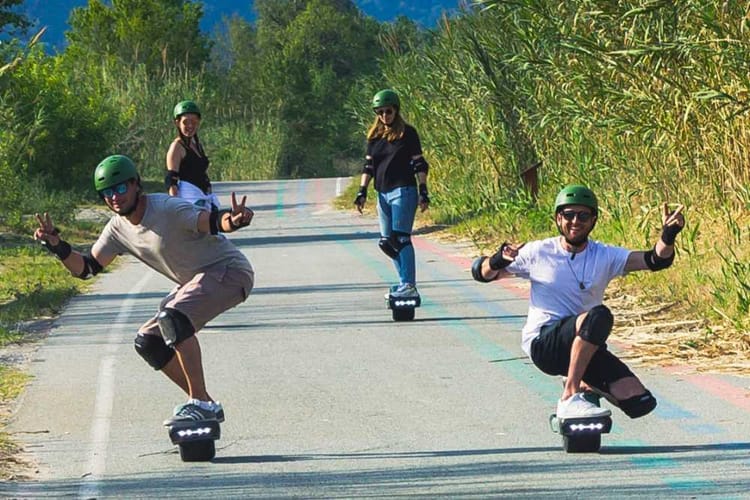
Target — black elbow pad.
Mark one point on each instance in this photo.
(91, 267)
(656, 263)
(369, 167)
(171, 178)
(476, 270)
(420, 165)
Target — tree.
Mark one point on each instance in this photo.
(157, 33)
(12, 22)
(234, 62)
(310, 55)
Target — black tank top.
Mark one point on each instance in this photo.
(194, 167)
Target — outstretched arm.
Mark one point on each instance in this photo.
(662, 255)
(80, 265)
(485, 269)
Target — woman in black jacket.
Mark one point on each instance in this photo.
(394, 159)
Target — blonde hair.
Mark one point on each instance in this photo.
(391, 133)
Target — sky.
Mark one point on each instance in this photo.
(54, 13)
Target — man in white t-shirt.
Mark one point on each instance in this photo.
(180, 241)
(567, 325)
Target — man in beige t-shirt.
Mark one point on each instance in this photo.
(181, 242)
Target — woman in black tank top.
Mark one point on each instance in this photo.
(186, 160)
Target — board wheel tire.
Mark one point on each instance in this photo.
(403, 314)
(586, 443)
(198, 451)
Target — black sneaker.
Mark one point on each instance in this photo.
(190, 413)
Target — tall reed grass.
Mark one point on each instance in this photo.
(239, 146)
(646, 101)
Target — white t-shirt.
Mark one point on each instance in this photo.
(556, 280)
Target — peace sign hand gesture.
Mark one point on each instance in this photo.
(46, 233)
(240, 216)
(506, 254)
(672, 223)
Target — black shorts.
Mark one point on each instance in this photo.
(550, 352)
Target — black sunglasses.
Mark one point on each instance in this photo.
(384, 111)
(120, 189)
(569, 215)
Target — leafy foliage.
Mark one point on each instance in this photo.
(156, 33)
(645, 101)
(10, 20)
(310, 54)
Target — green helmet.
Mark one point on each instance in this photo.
(184, 107)
(385, 97)
(576, 194)
(113, 170)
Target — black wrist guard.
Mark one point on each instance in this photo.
(497, 261)
(62, 250)
(215, 218)
(423, 196)
(669, 233)
(361, 195)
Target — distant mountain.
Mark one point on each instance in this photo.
(54, 13)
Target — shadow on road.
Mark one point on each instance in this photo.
(449, 477)
(644, 449)
(380, 456)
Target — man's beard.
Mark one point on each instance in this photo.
(579, 240)
(124, 212)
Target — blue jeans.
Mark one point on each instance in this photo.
(396, 209)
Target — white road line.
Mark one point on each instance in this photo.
(100, 426)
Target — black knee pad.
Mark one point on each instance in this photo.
(175, 326)
(154, 350)
(387, 248)
(638, 406)
(597, 325)
(400, 240)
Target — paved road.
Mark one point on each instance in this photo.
(325, 396)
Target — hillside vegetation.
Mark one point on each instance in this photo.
(646, 101)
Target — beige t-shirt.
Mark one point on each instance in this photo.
(168, 241)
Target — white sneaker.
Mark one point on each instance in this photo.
(405, 291)
(577, 406)
(216, 407)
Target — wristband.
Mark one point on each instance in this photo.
(669, 233)
(423, 195)
(497, 262)
(361, 195)
(62, 250)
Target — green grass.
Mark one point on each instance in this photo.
(12, 383)
(33, 284)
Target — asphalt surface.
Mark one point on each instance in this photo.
(326, 396)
